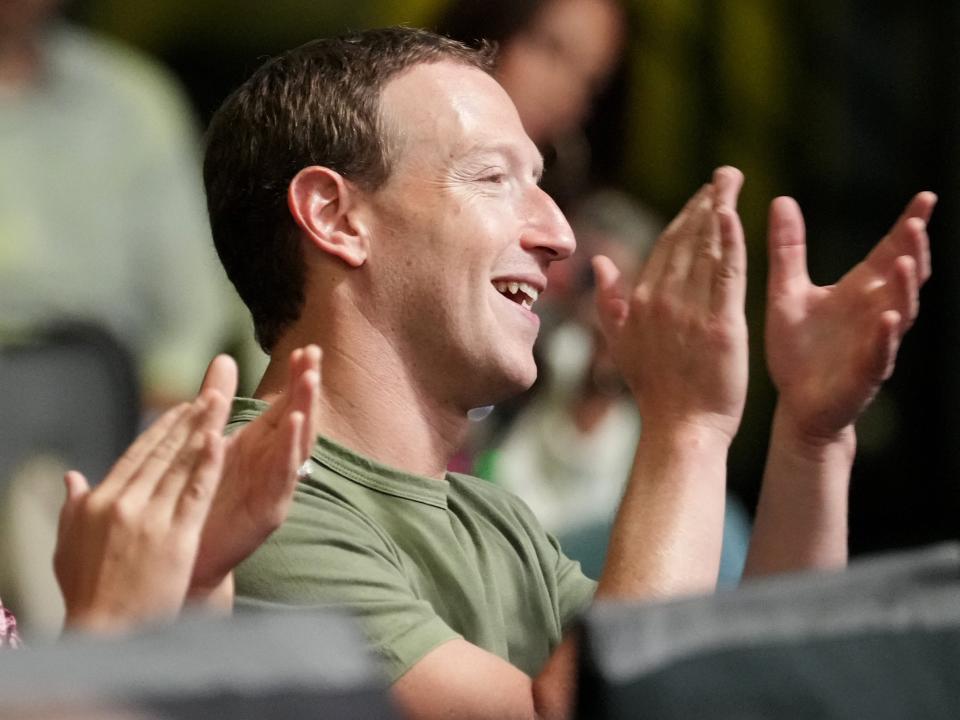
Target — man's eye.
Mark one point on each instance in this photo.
(494, 178)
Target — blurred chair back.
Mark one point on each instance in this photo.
(70, 392)
(288, 666)
(880, 641)
(69, 398)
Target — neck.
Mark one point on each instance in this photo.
(371, 403)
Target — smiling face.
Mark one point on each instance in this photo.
(462, 235)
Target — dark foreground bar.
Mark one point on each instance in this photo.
(288, 666)
(879, 641)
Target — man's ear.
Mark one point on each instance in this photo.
(323, 204)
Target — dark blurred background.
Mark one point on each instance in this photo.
(849, 106)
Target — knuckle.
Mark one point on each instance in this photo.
(640, 300)
(91, 505)
(124, 513)
(197, 491)
(727, 272)
(665, 304)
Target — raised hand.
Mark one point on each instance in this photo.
(830, 348)
(680, 337)
(125, 550)
(260, 469)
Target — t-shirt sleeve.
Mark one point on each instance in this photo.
(329, 556)
(574, 589)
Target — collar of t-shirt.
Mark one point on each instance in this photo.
(356, 467)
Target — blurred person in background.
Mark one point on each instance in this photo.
(101, 222)
(101, 218)
(555, 57)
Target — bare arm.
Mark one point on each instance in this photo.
(679, 338)
(829, 349)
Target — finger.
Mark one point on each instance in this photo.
(687, 237)
(294, 431)
(165, 453)
(284, 483)
(129, 463)
(306, 403)
(908, 237)
(920, 206)
(904, 291)
(270, 420)
(708, 256)
(885, 341)
(76, 485)
(295, 368)
(303, 392)
(688, 209)
(922, 240)
(727, 182)
(652, 270)
(212, 408)
(609, 297)
(193, 503)
(221, 376)
(77, 488)
(312, 419)
(787, 249)
(730, 281)
(215, 420)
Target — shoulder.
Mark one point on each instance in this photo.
(495, 497)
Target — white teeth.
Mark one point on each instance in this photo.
(530, 291)
(511, 287)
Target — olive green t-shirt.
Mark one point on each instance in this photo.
(417, 561)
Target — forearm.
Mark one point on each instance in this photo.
(801, 518)
(665, 541)
(669, 529)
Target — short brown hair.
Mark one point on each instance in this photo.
(318, 104)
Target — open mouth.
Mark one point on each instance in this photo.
(521, 293)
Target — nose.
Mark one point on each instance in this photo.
(547, 230)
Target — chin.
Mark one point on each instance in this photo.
(510, 382)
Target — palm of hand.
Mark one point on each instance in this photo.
(825, 357)
(114, 595)
(260, 472)
(257, 462)
(701, 362)
(830, 348)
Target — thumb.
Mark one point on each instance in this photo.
(77, 488)
(221, 376)
(787, 248)
(610, 299)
